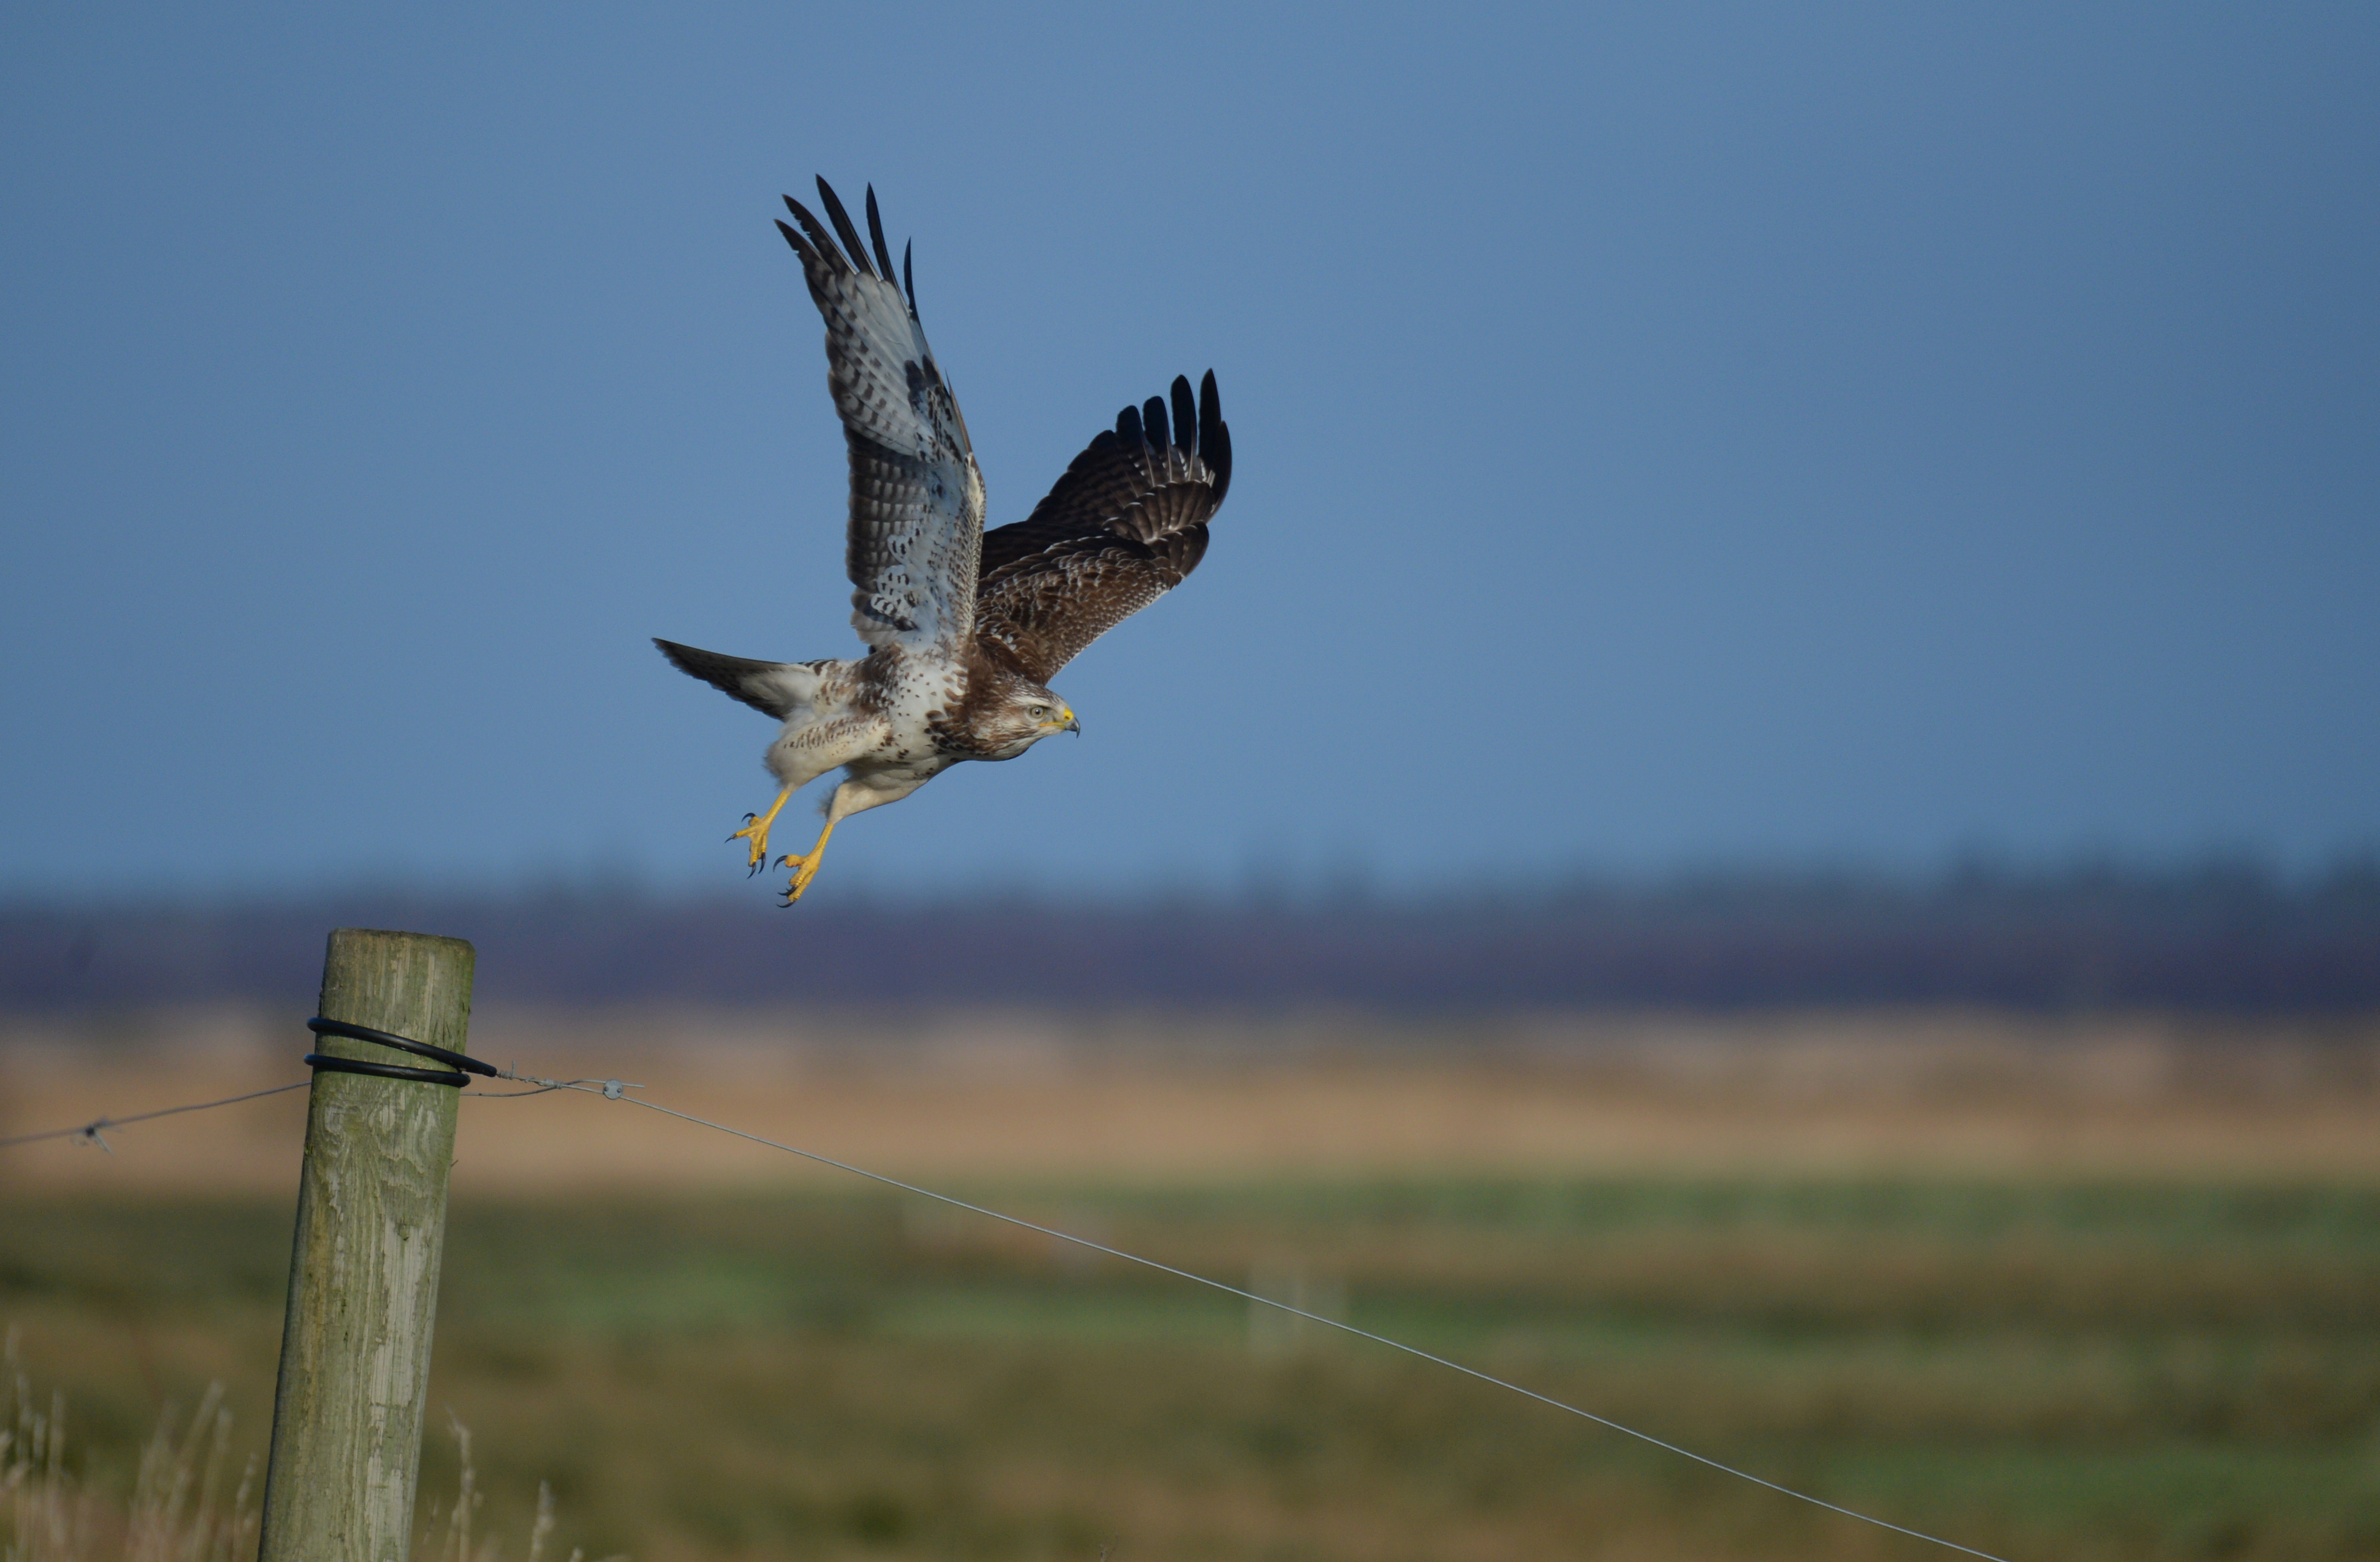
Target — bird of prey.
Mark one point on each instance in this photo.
(964, 628)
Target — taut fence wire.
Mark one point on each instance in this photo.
(94, 1131)
(617, 1090)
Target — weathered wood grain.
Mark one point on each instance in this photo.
(363, 1285)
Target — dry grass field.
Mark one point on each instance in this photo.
(2082, 1288)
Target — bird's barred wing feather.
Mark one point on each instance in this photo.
(917, 498)
(1126, 524)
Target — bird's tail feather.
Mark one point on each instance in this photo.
(778, 688)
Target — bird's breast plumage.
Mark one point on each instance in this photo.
(916, 693)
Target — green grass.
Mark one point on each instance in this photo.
(2106, 1370)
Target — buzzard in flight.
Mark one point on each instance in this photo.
(964, 628)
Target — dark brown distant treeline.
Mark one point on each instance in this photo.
(2214, 937)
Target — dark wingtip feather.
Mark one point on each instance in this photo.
(908, 283)
(801, 246)
(1185, 415)
(876, 236)
(1214, 436)
(821, 248)
(844, 230)
(1152, 418)
(1128, 428)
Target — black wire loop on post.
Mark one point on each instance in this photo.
(320, 1061)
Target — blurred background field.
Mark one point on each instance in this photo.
(2101, 1287)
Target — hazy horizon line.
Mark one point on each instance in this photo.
(2353, 872)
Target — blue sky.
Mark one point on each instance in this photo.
(1665, 436)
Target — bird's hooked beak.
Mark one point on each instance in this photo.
(1073, 723)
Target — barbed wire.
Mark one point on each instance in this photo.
(616, 1090)
(92, 1133)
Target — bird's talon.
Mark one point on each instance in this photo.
(804, 869)
(755, 835)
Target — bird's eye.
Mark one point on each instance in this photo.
(1038, 711)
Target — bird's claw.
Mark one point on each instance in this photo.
(804, 869)
(756, 832)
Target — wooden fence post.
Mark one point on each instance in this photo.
(363, 1280)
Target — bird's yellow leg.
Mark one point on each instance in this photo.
(756, 831)
(806, 868)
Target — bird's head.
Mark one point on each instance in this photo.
(1026, 713)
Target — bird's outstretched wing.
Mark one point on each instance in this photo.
(1126, 524)
(916, 499)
